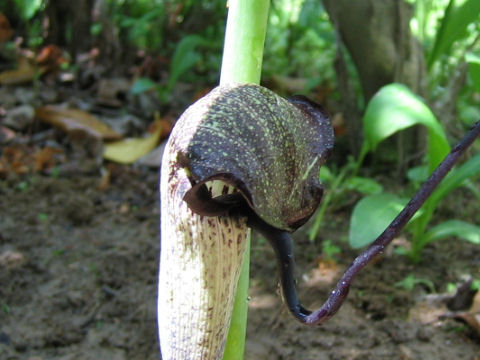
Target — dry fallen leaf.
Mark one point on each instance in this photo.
(433, 308)
(475, 308)
(105, 181)
(472, 316)
(324, 274)
(11, 259)
(70, 120)
(45, 158)
(23, 159)
(154, 158)
(50, 54)
(25, 73)
(16, 159)
(6, 135)
(50, 58)
(472, 320)
(112, 92)
(128, 151)
(6, 31)
(427, 311)
(166, 126)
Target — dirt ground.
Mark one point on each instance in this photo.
(78, 275)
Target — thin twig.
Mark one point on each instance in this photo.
(337, 296)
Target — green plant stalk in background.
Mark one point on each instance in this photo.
(421, 235)
(242, 62)
(244, 41)
(337, 183)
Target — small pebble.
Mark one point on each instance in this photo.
(424, 334)
(20, 117)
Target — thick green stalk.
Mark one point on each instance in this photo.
(244, 41)
(242, 62)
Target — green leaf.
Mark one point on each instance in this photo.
(394, 108)
(474, 69)
(457, 228)
(457, 178)
(142, 85)
(329, 250)
(453, 27)
(363, 185)
(29, 7)
(371, 216)
(185, 57)
(96, 29)
(409, 283)
(470, 185)
(326, 175)
(418, 174)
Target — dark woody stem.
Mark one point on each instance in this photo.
(282, 242)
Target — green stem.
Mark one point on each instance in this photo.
(419, 230)
(242, 62)
(325, 203)
(235, 346)
(244, 41)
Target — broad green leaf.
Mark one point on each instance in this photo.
(96, 29)
(457, 178)
(470, 185)
(29, 7)
(142, 84)
(394, 108)
(363, 185)
(418, 174)
(409, 283)
(371, 216)
(184, 57)
(434, 53)
(474, 69)
(457, 228)
(326, 175)
(453, 27)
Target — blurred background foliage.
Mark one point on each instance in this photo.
(312, 47)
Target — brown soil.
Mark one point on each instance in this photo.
(78, 275)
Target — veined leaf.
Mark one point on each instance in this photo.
(474, 69)
(453, 26)
(457, 228)
(418, 174)
(457, 177)
(469, 184)
(28, 8)
(142, 84)
(363, 185)
(371, 216)
(326, 174)
(394, 108)
(185, 57)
